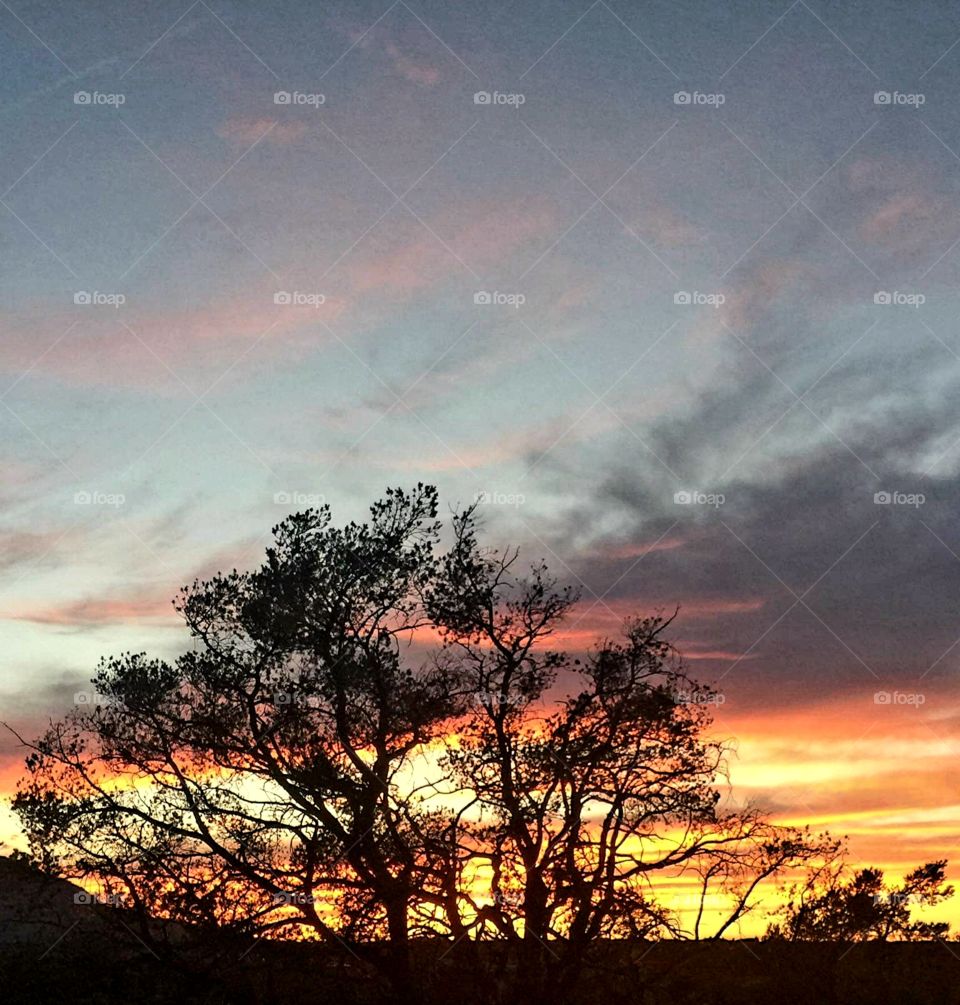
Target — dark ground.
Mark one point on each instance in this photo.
(727, 973)
(55, 950)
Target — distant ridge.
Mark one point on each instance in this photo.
(37, 909)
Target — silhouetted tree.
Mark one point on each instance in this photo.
(863, 908)
(587, 778)
(262, 765)
(373, 740)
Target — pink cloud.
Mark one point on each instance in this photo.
(23, 547)
(200, 341)
(904, 204)
(576, 294)
(607, 618)
(418, 73)
(244, 131)
(520, 445)
(666, 228)
(590, 620)
(139, 348)
(100, 611)
(479, 234)
(360, 37)
(901, 213)
(759, 290)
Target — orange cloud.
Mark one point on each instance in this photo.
(100, 611)
(635, 549)
(592, 618)
(693, 651)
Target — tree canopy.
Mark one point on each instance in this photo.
(863, 908)
(374, 740)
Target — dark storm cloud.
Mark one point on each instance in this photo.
(798, 480)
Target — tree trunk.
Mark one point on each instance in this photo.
(399, 970)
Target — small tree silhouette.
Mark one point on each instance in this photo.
(373, 740)
(863, 908)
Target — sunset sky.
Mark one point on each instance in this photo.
(720, 245)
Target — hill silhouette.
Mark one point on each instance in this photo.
(38, 910)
